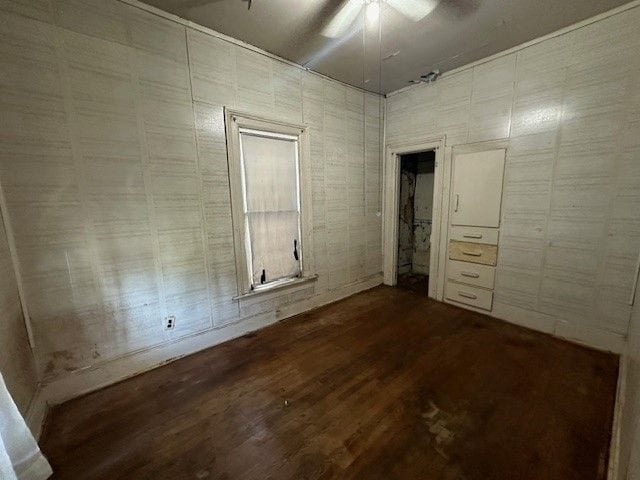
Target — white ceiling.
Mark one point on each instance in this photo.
(455, 33)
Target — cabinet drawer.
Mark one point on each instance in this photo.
(474, 234)
(473, 252)
(471, 273)
(474, 296)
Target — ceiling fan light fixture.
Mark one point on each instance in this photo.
(342, 20)
(373, 12)
(415, 10)
(350, 10)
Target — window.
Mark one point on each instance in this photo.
(267, 169)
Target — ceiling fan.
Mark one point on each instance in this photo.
(350, 10)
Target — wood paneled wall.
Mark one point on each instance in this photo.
(570, 230)
(113, 163)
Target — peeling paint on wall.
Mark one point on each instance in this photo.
(405, 233)
(416, 212)
(423, 213)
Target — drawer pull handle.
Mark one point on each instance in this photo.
(457, 207)
(467, 295)
(470, 274)
(472, 235)
(472, 254)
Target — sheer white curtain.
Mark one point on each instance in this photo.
(20, 457)
(272, 206)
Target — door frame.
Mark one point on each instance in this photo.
(391, 209)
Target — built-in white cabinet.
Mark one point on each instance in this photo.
(474, 221)
(477, 188)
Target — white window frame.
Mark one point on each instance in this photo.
(235, 122)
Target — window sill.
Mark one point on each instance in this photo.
(276, 288)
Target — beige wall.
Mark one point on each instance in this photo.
(113, 164)
(16, 359)
(570, 231)
(630, 420)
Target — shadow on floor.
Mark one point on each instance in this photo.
(414, 282)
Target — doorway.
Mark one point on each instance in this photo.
(415, 219)
(433, 151)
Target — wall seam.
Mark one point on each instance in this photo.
(147, 182)
(80, 172)
(203, 219)
(513, 94)
(546, 243)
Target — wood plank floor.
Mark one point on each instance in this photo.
(383, 385)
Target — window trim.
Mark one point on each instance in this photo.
(234, 122)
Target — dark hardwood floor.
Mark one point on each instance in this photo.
(414, 282)
(383, 385)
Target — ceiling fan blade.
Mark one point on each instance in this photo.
(416, 10)
(343, 19)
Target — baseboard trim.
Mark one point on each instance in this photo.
(37, 412)
(613, 469)
(590, 337)
(330, 297)
(112, 371)
(583, 335)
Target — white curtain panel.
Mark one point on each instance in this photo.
(273, 217)
(20, 457)
(270, 173)
(272, 245)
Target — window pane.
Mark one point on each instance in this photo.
(272, 211)
(271, 178)
(272, 236)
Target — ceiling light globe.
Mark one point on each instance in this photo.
(373, 12)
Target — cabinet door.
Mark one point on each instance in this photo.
(477, 188)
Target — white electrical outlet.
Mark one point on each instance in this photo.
(169, 322)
